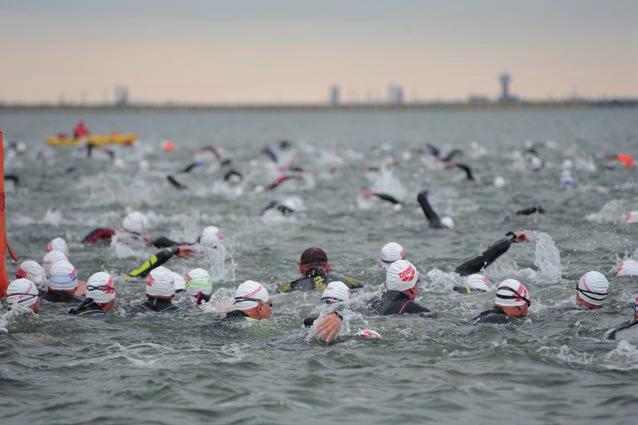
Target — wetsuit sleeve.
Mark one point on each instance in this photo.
(285, 287)
(530, 210)
(309, 321)
(415, 308)
(430, 214)
(491, 316)
(163, 242)
(388, 198)
(451, 155)
(487, 257)
(272, 205)
(351, 282)
(155, 261)
(468, 171)
(97, 235)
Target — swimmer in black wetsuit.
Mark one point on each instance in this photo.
(252, 302)
(161, 257)
(160, 290)
(488, 256)
(433, 218)
(436, 152)
(626, 328)
(316, 274)
(512, 301)
(335, 292)
(100, 296)
(466, 168)
(526, 211)
(402, 282)
(281, 207)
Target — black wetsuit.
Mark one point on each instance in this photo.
(495, 315)
(284, 210)
(101, 234)
(433, 218)
(60, 297)
(156, 260)
(487, 257)
(397, 302)
(388, 198)
(612, 335)
(157, 305)
(235, 315)
(88, 309)
(467, 169)
(164, 242)
(316, 280)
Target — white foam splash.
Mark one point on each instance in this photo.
(52, 217)
(441, 280)
(612, 212)
(546, 256)
(623, 357)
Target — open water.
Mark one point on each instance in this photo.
(554, 367)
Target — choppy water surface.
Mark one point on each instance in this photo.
(553, 368)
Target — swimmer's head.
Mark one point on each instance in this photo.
(567, 164)
(160, 283)
(23, 293)
(51, 258)
(58, 244)
(253, 299)
(179, 283)
(627, 268)
(211, 236)
(512, 297)
(477, 282)
(499, 182)
(33, 271)
(63, 277)
(198, 280)
(100, 287)
(402, 276)
(535, 163)
(447, 223)
(631, 217)
(135, 222)
(591, 290)
(336, 291)
(391, 252)
(313, 258)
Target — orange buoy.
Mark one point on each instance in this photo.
(4, 278)
(626, 159)
(168, 146)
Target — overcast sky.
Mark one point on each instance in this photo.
(269, 50)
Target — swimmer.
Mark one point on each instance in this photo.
(402, 284)
(33, 271)
(335, 292)
(512, 301)
(160, 290)
(526, 211)
(591, 290)
(433, 218)
(172, 180)
(627, 268)
(436, 152)
(179, 283)
(62, 283)
(284, 208)
(133, 226)
(466, 168)
(488, 256)
(631, 217)
(58, 244)
(627, 329)
(368, 194)
(12, 178)
(252, 302)
(567, 181)
(281, 179)
(160, 257)
(23, 293)
(199, 286)
(391, 252)
(100, 296)
(51, 258)
(473, 283)
(316, 274)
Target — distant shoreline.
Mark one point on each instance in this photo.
(313, 107)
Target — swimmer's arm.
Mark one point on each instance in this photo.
(530, 210)
(430, 214)
(487, 257)
(388, 198)
(164, 242)
(97, 235)
(351, 282)
(309, 321)
(155, 261)
(285, 287)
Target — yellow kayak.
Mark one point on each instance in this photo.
(94, 139)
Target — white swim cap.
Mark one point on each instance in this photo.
(249, 294)
(211, 236)
(567, 164)
(33, 271)
(198, 280)
(160, 283)
(336, 291)
(51, 258)
(631, 217)
(135, 222)
(499, 182)
(180, 283)
(390, 253)
(477, 282)
(401, 276)
(62, 276)
(100, 287)
(511, 293)
(22, 292)
(447, 222)
(535, 163)
(593, 287)
(58, 244)
(628, 267)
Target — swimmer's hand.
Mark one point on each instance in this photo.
(520, 236)
(329, 327)
(185, 251)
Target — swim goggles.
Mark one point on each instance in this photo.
(598, 296)
(255, 300)
(512, 297)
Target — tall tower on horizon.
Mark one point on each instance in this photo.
(335, 95)
(506, 97)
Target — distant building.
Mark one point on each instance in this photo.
(335, 95)
(506, 97)
(395, 94)
(477, 99)
(121, 96)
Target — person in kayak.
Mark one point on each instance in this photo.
(433, 218)
(512, 301)
(80, 130)
(100, 296)
(487, 257)
(402, 284)
(316, 274)
(160, 290)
